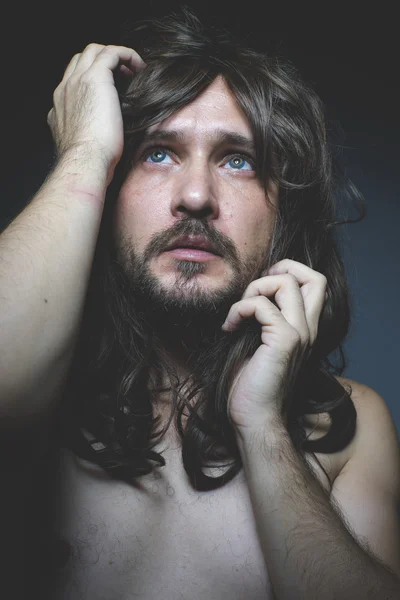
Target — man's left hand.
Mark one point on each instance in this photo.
(260, 391)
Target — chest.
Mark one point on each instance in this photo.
(161, 539)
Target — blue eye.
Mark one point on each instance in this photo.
(238, 163)
(157, 154)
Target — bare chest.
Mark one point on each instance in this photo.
(160, 540)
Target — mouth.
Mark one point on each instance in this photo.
(198, 244)
(196, 254)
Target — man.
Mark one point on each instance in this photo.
(219, 209)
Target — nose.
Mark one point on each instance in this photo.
(195, 190)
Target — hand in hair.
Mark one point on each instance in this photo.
(86, 114)
(261, 390)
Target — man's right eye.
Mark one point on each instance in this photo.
(155, 155)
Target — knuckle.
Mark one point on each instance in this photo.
(69, 83)
(290, 277)
(323, 279)
(72, 81)
(115, 48)
(110, 49)
(94, 46)
(285, 262)
(57, 94)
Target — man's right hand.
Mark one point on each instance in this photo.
(86, 113)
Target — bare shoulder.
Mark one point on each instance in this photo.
(368, 403)
(364, 398)
(376, 439)
(374, 421)
(373, 413)
(322, 421)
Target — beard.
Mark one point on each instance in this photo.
(184, 312)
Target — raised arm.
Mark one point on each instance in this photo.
(46, 252)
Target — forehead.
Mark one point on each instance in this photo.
(215, 109)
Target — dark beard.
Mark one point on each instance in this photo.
(187, 317)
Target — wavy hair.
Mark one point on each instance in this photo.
(107, 392)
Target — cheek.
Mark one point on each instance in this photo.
(255, 231)
(138, 214)
(255, 217)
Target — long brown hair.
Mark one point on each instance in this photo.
(107, 391)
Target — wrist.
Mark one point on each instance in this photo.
(267, 441)
(84, 156)
(81, 170)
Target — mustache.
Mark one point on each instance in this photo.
(194, 228)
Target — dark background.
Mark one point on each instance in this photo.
(348, 53)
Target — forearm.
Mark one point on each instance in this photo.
(309, 553)
(46, 257)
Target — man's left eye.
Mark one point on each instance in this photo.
(240, 163)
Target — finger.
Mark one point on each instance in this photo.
(112, 56)
(95, 54)
(290, 310)
(87, 57)
(70, 68)
(286, 292)
(313, 288)
(244, 309)
(125, 71)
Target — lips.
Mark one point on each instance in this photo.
(197, 243)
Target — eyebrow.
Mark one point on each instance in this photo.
(220, 136)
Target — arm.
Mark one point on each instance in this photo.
(309, 551)
(309, 548)
(46, 256)
(46, 253)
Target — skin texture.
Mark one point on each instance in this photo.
(195, 188)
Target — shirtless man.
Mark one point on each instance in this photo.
(211, 156)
